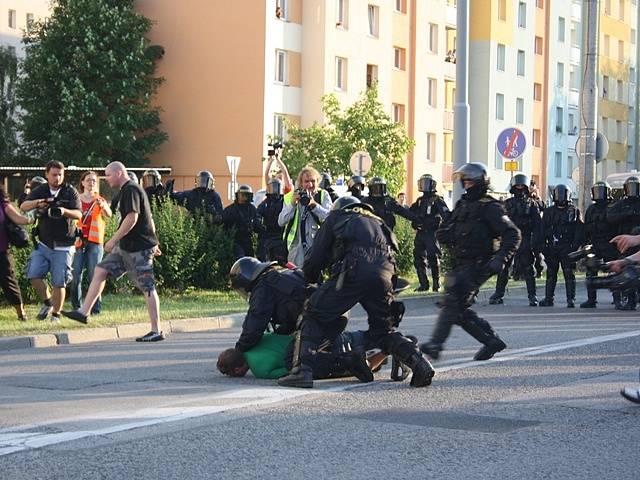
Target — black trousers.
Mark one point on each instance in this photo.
(554, 262)
(243, 248)
(8, 280)
(426, 252)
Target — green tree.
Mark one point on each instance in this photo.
(87, 85)
(362, 126)
(8, 139)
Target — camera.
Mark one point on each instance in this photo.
(305, 198)
(627, 278)
(52, 210)
(275, 146)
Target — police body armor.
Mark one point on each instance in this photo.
(200, 198)
(560, 227)
(599, 232)
(269, 210)
(520, 211)
(291, 290)
(429, 215)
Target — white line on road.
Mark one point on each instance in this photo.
(12, 441)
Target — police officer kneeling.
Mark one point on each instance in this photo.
(477, 220)
(360, 249)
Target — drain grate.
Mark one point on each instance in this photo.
(451, 421)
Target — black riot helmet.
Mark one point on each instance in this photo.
(561, 195)
(150, 178)
(519, 185)
(377, 187)
(244, 194)
(325, 181)
(600, 191)
(132, 176)
(632, 187)
(36, 182)
(426, 184)
(274, 187)
(205, 180)
(474, 172)
(356, 182)
(245, 272)
(346, 202)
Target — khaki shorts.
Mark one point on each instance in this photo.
(138, 265)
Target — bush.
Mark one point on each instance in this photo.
(405, 235)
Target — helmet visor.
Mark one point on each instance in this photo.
(599, 192)
(632, 189)
(244, 197)
(205, 180)
(378, 190)
(427, 185)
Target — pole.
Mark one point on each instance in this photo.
(461, 108)
(588, 102)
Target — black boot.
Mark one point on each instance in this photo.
(357, 365)
(571, 292)
(480, 329)
(492, 347)
(399, 370)
(435, 273)
(546, 302)
(421, 270)
(302, 378)
(495, 300)
(531, 287)
(431, 349)
(422, 370)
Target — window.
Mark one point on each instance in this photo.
(559, 119)
(520, 70)
(619, 132)
(398, 113)
(560, 74)
(573, 78)
(574, 35)
(433, 38)
(372, 75)
(632, 75)
(499, 106)
(279, 129)
(607, 7)
(573, 128)
(569, 166)
(620, 51)
(399, 58)
(12, 19)
(621, 9)
(605, 127)
(634, 34)
(431, 147)
(29, 21)
(281, 9)
(607, 46)
(522, 15)
(374, 20)
(536, 137)
(502, 10)
(558, 165)
(401, 6)
(432, 93)
(620, 91)
(342, 14)
(537, 92)
(538, 46)
(281, 66)
(500, 57)
(519, 110)
(561, 29)
(605, 86)
(341, 73)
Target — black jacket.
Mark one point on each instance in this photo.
(387, 208)
(430, 212)
(563, 230)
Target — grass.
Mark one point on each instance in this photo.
(128, 308)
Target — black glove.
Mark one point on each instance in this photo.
(496, 264)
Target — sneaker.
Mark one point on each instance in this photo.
(55, 318)
(151, 337)
(76, 315)
(631, 394)
(44, 312)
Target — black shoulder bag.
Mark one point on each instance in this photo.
(18, 236)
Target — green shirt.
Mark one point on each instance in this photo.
(266, 359)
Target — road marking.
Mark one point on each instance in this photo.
(12, 440)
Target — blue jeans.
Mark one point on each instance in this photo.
(88, 256)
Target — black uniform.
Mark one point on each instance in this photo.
(476, 223)
(598, 232)
(387, 208)
(430, 211)
(244, 218)
(277, 299)
(524, 213)
(359, 248)
(157, 193)
(563, 234)
(200, 199)
(270, 243)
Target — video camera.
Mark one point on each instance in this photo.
(53, 208)
(305, 198)
(628, 278)
(587, 253)
(274, 147)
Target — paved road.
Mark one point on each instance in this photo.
(548, 407)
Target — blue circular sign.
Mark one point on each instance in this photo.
(511, 143)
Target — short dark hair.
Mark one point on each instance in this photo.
(229, 361)
(54, 164)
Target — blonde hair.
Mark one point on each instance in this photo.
(307, 170)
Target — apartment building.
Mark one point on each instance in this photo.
(15, 18)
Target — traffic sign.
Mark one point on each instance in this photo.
(511, 143)
(360, 163)
(511, 166)
(233, 163)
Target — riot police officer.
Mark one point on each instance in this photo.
(598, 233)
(270, 243)
(326, 183)
(563, 232)
(242, 216)
(475, 224)
(430, 211)
(624, 216)
(355, 186)
(152, 184)
(203, 197)
(359, 248)
(523, 211)
(383, 205)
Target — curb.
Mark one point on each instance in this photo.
(100, 334)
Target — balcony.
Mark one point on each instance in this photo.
(576, 11)
(576, 55)
(449, 70)
(447, 120)
(574, 97)
(451, 15)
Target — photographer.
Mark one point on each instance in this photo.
(303, 211)
(57, 206)
(276, 169)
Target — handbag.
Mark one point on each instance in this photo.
(18, 236)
